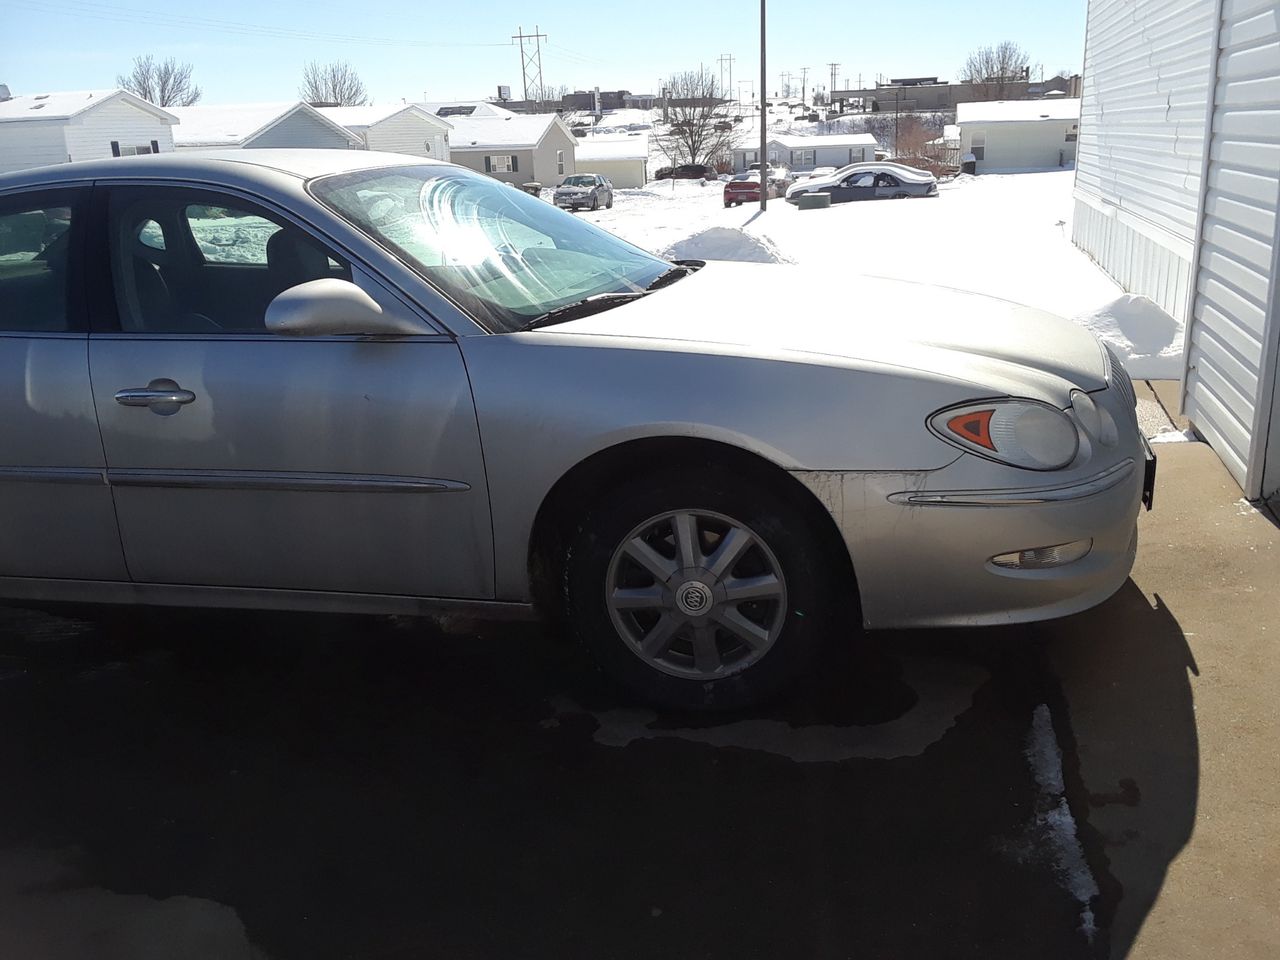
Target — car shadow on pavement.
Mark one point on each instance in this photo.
(1131, 748)
(315, 787)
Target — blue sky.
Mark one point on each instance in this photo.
(255, 49)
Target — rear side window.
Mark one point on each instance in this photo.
(35, 243)
(229, 236)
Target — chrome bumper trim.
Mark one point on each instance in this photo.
(1019, 497)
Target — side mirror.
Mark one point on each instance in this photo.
(333, 307)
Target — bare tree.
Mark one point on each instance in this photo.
(993, 70)
(333, 84)
(694, 104)
(166, 83)
(548, 94)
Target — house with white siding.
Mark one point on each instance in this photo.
(806, 153)
(517, 149)
(259, 125)
(397, 128)
(44, 128)
(1177, 194)
(1015, 135)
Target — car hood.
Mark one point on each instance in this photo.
(786, 312)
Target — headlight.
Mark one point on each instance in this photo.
(1021, 433)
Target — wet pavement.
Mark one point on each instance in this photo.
(279, 786)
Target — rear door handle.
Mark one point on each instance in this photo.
(162, 396)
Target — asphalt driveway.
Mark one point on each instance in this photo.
(297, 787)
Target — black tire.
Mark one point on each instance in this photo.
(813, 590)
(901, 196)
(609, 205)
(595, 203)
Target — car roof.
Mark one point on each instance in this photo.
(218, 165)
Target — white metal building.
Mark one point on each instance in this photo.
(259, 125)
(624, 160)
(1177, 191)
(1015, 135)
(398, 128)
(79, 125)
(806, 153)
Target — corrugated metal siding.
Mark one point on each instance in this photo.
(1231, 344)
(31, 144)
(89, 134)
(1140, 153)
(300, 130)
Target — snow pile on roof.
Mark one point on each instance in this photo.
(367, 116)
(1148, 340)
(612, 148)
(517, 130)
(1010, 111)
(794, 142)
(224, 125)
(59, 106)
(479, 108)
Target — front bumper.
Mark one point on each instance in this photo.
(922, 543)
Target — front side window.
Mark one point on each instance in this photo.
(185, 260)
(35, 239)
(861, 180)
(502, 255)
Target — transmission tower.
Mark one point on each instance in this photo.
(725, 58)
(531, 61)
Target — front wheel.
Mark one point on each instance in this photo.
(595, 203)
(700, 589)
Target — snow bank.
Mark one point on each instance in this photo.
(723, 243)
(1148, 340)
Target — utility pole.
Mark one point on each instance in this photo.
(831, 90)
(764, 133)
(531, 63)
(804, 85)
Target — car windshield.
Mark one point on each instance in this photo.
(502, 255)
(579, 182)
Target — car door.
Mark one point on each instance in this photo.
(56, 515)
(887, 185)
(856, 186)
(239, 458)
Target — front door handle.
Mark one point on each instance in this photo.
(163, 396)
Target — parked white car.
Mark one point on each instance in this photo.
(877, 180)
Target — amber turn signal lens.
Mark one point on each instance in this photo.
(974, 426)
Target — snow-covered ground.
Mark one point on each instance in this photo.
(1006, 236)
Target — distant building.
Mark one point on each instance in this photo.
(259, 125)
(1177, 196)
(931, 95)
(806, 153)
(624, 160)
(1011, 135)
(46, 128)
(515, 149)
(397, 128)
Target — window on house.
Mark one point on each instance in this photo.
(129, 150)
(978, 146)
(1072, 133)
(559, 161)
(500, 164)
(801, 157)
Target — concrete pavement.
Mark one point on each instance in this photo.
(1172, 692)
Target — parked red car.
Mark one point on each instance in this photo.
(745, 188)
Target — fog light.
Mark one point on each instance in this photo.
(1044, 558)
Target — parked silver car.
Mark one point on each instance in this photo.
(354, 381)
(878, 180)
(584, 191)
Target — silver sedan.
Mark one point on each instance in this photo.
(352, 381)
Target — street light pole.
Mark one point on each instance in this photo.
(764, 167)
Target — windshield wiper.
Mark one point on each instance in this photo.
(681, 269)
(582, 308)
